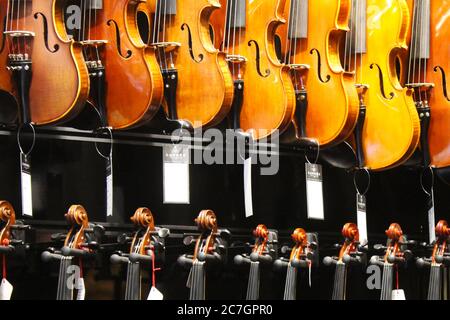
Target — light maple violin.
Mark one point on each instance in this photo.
(245, 31)
(198, 83)
(373, 50)
(326, 99)
(34, 49)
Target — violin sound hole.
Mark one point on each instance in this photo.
(45, 24)
(191, 51)
(444, 81)
(118, 42)
(381, 77)
(3, 36)
(319, 66)
(258, 61)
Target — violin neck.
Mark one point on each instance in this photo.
(253, 282)
(387, 282)
(133, 285)
(65, 290)
(340, 281)
(435, 285)
(290, 288)
(298, 20)
(358, 27)
(197, 281)
(420, 39)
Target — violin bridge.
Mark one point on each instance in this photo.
(19, 33)
(234, 58)
(299, 66)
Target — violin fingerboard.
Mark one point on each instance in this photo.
(298, 21)
(358, 26)
(420, 41)
(236, 13)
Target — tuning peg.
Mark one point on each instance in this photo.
(328, 261)
(124, 238)
(163, 232)
(58, 236)
(312, 245)
(347, 259)
(421, 263)
(376, 260)
(285, 249)
(188, 240)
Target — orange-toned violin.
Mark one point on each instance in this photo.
(126, 82)
(245, 31)
(46, 71)
(326, 98)
(297, 254)
(427, 74)
(198, 83)
(373, 50)
(7, 218)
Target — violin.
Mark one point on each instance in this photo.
(264, 94)
(7, 219)
(373, 50)
(348, 253)
(396, 254)
(326, 100)
(126, 82)
(190, 64)
(428, 68)
(145, 244)
(206, 251)
(438, 262)
(34, 49)
(298, 255)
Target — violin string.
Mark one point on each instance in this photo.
(411, 45)
(158, 32)
(362, 42)
(242, 12)
(415, 39)
(420, 48)
(25, 25)
(357, 35)
(8, 18)
(224, 46)
(346, 39)
(425, 23)
(299, 40)
(288, 40)
(164, 31)
(234, 30)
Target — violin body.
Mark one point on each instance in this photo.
(391, 130)
(133, 81)
(332, 100)
(205, 88)
(54, 96)
(437, 73)
(268, 96)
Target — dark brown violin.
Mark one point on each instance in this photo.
(41, 66)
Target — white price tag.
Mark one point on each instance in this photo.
(361, 213)
(109, 187)
(248, 196)
(81, 289)
(314, 191)
(6, 290)
(431, 218)
(155, 294)
(27, 193)
(398, 294)
(176, 160)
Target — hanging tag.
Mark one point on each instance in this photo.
(361, 218)
(81, 289)
(6, 290)
(314, 191)
(109, 187)
(431, 218)
(248, 196)
(155, 294)
(176, 174)
(398, 294)
(27, 198)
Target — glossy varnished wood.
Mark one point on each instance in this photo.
(205, 87)
(60, 82)
(134, 85)
(269, 98)
(332, 103)
(391, 129)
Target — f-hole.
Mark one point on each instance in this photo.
(3, 36)
(191, 51)
(319, 66)
(45, 24)
(118, 43)
(381, 77)
(444, 81)
(258, 60)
